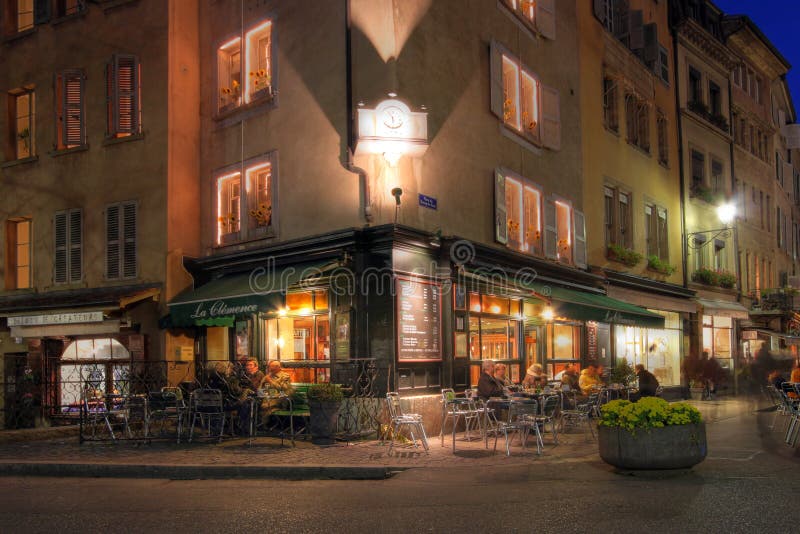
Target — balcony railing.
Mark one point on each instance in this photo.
(778, 299)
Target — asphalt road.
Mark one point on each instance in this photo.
(576, 497)
(749, 483)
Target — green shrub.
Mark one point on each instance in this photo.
(622, 373)
(726, 279)
(705, 276)
(325, 392)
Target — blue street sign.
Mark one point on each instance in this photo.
(427, 202)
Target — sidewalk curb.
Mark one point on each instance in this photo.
(195, 472)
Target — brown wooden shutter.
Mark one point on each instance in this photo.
(650, 45)
(112, 242)
(636, 41)
(550, 230)
(546, 18)
(496, 89)
(60, 233)
(551, 118)
(579, 243)
(73, 133)
(75, 246)
(126, 94)
(500, 212)
(129, 236)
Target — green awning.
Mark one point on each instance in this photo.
(583, 306)
(221, 301)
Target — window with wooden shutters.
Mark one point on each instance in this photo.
(22, 14)
(244, 207)
(518, 98)
(564, 231)
(121, 246)
(68, 232)
(70, 113)
(523, 212)
(123, 95)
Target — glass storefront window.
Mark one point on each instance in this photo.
(563, 346)
(718, 338)
(659, 350)
(92, 368)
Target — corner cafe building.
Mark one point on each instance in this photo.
(395, 296)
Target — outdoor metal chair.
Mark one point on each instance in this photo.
(550, 408)
(457, 408)
(206, 405)
(522, 421)
(578, 416)
(792, 407)
(399, 420)
(166, 405)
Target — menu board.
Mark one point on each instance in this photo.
(418, 320)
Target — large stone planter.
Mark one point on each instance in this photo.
(323, 420)
(670, 447)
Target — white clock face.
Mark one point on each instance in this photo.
(393, 117)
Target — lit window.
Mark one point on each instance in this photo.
(250, 202)
(18, 253)
(229, 201)
(245, 72)
(24, 15)
(524, 208)
(564, 231)
(22, 109)
(259, 62)
(520, 98)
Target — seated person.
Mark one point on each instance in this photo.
(776, 379)
(569, 377)
(589, 381)
(221, 376)
(252, 377)
(500, 371)
(648, 383)
(276, 382)
(488, 385)
(535, 376)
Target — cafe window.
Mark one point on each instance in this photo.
(300, 339)
(494, 331)
(563, 346)
(92, 368)
(658, 349)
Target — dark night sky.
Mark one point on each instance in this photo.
(778, 20)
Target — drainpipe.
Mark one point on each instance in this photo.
(351, 140)
(676, 71)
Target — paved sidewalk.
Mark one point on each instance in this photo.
(267, 458)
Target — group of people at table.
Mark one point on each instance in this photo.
(493, 381)
(243, 385)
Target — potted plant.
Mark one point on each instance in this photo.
(654, 263)
(693, 372)
(726, 279)
(324, 401)
(623, 255)
(622, 373)
(651, 434)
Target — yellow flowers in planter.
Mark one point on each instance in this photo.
(262, 215)
(647, 413)
(261, 79)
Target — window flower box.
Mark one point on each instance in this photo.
(654, 263)
(706, 277)
(623, 255)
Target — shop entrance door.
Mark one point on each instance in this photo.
(18, 392)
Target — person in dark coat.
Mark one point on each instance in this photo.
(648, 383)
(488, 385)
